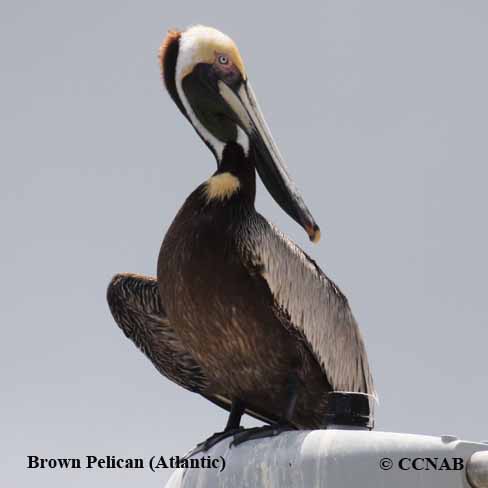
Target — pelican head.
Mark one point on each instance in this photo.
(204, 73)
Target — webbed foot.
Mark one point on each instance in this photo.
(260, 433)
(213, 440)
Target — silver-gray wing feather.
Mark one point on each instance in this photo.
(313, 304)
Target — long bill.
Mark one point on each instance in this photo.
(268, 160)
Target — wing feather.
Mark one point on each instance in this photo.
(314, 305)
(136, 307)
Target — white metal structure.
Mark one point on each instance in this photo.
(337, 458)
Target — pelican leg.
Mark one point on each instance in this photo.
(275, 428)
(293, 384)
(232, 427)
(236, 412)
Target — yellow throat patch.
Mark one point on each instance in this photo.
(221, 186)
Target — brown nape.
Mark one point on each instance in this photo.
(168, 54)
(172, 38)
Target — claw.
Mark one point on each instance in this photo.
(213, 440)
(259, 433)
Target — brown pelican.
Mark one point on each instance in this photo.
(239, 313)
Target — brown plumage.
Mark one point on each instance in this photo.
(226, 314)
(136, 307)
(239, 314)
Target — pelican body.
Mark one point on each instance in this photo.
(239, 313)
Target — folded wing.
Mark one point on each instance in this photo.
(136, 307)
(312, 305)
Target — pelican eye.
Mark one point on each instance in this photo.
(223, 59)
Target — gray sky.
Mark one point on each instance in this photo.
(380, 109)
